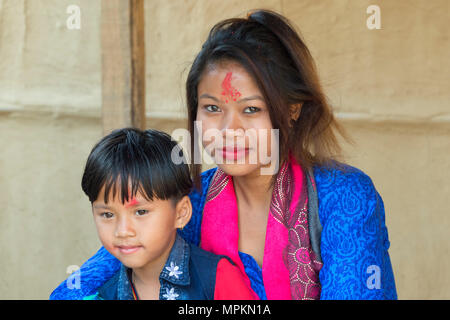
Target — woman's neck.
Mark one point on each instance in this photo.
(253, 191)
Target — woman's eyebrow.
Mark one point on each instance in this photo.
(205, 95)
(254, 97)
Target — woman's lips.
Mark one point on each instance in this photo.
(233, 153)
(128, 249)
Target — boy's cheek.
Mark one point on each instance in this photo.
(106, 238)
(110, 248)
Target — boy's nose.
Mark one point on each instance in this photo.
(124, 229)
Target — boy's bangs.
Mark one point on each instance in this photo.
(125, 191)
(128, 162)
(149, 179)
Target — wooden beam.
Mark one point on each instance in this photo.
(123, 64)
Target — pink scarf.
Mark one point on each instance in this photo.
(290, 269)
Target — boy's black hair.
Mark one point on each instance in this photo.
(130, 160)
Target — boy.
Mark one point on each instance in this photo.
(139, 199)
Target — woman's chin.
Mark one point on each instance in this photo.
(239, 170)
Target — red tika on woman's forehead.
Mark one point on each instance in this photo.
(228, 90)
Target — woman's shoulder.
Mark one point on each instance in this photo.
(342, 178)
(191, 231)
(338, 173)
(197, 194)
(344, 190)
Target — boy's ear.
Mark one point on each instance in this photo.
(183, 212)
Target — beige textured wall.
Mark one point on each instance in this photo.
(388, 86)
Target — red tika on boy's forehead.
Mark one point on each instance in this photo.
(228, 90)
(132, 202)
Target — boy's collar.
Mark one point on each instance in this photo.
(176, 269)
(124, 291)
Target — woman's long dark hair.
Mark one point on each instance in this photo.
(273, 53)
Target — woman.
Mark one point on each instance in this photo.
(312, 228)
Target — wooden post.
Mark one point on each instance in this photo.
(123, 64)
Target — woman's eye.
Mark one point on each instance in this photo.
(251, 109)
(212, 108)
(141, 212)
(106, 215)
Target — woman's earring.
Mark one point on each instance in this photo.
(295, 113)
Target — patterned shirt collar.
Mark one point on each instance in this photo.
(175, 271)
(124, 291)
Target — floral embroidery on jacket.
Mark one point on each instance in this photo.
(174, 270)
(170, 294)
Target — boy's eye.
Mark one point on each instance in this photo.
(212, 108)
(106, 215)
(251, 110)
(141, 212)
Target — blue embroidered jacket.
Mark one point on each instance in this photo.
(350, 235)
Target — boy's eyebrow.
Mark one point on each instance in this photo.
(100, 206)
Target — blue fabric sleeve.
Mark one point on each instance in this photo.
(354, 241)
(93, 274)
(254, 273)
(192, 231)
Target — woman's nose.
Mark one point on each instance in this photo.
(233, 132)
(232, 122)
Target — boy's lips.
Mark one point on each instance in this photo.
(128, 249)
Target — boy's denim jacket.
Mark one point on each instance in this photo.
(189, 274)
